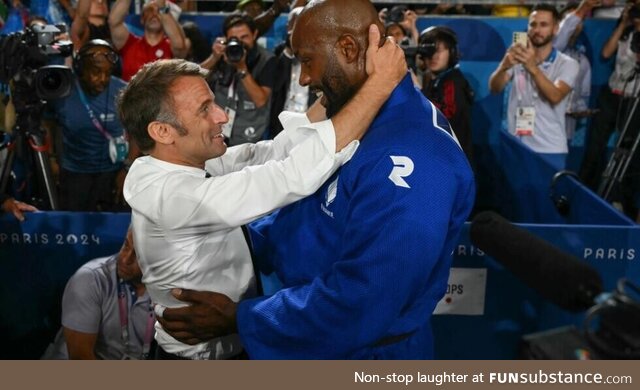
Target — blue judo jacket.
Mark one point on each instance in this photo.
(365, 260)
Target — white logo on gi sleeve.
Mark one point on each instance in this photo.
(402, 167)
(332, 190)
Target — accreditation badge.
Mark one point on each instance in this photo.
(524, 121)
(227, 127)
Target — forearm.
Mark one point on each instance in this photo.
(265, 20)
(257, 93)
(119, 32)
(354, 119)
(118, 12)
(546, 87)
(80, 23)
(175, 34)
(498, 80)
(611, 46)
(210, 62)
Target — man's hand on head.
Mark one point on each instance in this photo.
(385, 62)
(208, 315)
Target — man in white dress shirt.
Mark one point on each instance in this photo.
(187, 224)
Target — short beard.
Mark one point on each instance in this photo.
(338, 89)
(544, 42)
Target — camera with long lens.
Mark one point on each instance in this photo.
(24, 57)
(234, 50)
(425, 50)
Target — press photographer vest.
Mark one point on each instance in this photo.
(250, 122)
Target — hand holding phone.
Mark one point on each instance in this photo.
(521, 38)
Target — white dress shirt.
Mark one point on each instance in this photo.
(187, 227)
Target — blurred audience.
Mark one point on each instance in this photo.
(198, 49)
(615, 105)
(90, 22)
(288, 94)
(162, 38)
(566, 41)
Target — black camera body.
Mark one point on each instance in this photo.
(24, 57)
(396, 15)
(234, 50)
(425, 50)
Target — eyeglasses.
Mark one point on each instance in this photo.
(108, 55)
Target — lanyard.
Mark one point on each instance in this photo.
(522, 77)
(94, 120)
(124, 320)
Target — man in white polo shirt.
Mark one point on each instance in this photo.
(542, 80)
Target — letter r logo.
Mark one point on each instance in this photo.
(402, 167)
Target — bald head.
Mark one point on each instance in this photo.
(330, 38)
(334, 18)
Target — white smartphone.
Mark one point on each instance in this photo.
(521, 38)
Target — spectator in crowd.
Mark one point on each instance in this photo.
(445, 85)
(94, 151)
(198, 49)
(15, 207)
(184, 237)
(448, 9)
(288, 94)
(518, 10)
(90, 22)
(252, 8)
(566, 41)
(615, 103)
(366, 258)
(263, 19)
(542, 80)
(163, 37)
(106, 311)
(242, 83)
(609, 9)
(400, 22)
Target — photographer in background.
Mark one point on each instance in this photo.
(94, 151)
(241, 77)
(615, 103)
(400, 17)
(444, 84)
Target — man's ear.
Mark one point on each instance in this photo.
(161, 132)
(348, 47)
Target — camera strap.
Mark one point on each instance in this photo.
(92, 116)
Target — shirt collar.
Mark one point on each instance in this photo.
(176, 167)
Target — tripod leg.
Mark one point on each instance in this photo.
(44, 169)
(617, 166)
